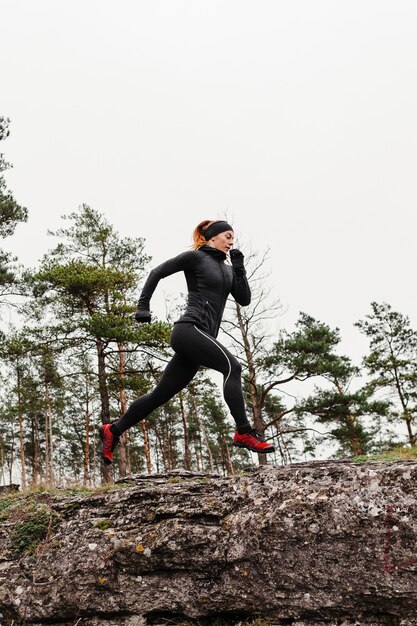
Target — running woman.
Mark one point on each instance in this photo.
(193, 339)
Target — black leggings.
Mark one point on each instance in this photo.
(193, 347)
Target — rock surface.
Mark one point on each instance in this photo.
(315, 544)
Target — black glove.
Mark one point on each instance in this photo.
(143, 316)
(237, 258)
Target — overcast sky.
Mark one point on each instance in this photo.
(297, 117)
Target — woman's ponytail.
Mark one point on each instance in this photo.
(198, 234)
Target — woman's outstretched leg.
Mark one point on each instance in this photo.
(178, 373)
(189, 339)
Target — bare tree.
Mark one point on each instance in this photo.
(250, 330)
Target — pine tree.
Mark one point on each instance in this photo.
(392, 362)
(11, 213)
(89, 283)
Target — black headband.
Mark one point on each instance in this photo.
(216, 229)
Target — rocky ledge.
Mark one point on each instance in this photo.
(313, 544)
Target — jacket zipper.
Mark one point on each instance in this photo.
(222, 300)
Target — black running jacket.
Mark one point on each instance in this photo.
(209, 282)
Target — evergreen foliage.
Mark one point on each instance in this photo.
(392, 362)
(11, 213)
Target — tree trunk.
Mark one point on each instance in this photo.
(411, 436)
(122, 447)
(21, 436)
(102, 382)
(157, 455)
(206, 441)
(171, 462)
(2, 460)
(282, 446)
(10, 462)
(226, 456)
(49, 461)
(203, 436)
(128, 460)
(187, 455)
(51, 447)
(356, 445)
(36, 469)
(86, 477)
(94, 464)
(224, 447)
(163, 450)
(107, 474)
(146, 446)
(46, 446)
(406, 414)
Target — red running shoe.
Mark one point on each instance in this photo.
(252, 441)
(109, 443)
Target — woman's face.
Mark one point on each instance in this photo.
(222, 241)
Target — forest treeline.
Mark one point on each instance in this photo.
(75, 358)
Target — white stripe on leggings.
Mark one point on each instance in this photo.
(221, 349)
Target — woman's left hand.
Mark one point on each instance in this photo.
(237, 259)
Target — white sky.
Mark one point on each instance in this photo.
(298, 117)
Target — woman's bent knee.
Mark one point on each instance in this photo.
(236, 368)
